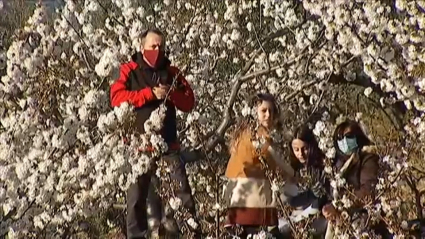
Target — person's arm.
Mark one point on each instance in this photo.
(289, 171)
(182, 94)
(119, 92)
(368, 180)
(368, 176)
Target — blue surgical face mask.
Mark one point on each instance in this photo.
(347, 145)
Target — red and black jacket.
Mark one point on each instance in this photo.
(135, 86)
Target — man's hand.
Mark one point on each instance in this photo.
(161, 91)
(329, 212)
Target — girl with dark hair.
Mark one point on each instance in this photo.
(305, 150)
(251, 203)
(307, 161)
(356, 162)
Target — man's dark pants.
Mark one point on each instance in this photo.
(137, 194)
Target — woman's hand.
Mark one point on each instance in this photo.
(329, 212)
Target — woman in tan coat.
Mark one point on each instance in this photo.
(358, 164)
(251, 201)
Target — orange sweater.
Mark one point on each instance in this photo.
(252, 201)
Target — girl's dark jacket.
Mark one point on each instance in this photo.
(317, 187)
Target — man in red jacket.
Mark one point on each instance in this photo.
(145, 82)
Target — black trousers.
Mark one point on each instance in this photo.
(138, 193)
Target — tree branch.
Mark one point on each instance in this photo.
(265, 71)
(240, 78)
(225, 123)
(412, 185)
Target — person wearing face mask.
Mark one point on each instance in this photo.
(248, 196)
(358, 164)
(146, 82)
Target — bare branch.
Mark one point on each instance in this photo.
(320, 99)
(225, 123)
(108, 13)
(241, 77)
(266, 71)
(308, 84)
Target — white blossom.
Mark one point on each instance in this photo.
(175, 203)
(368, 91)
(192, 223)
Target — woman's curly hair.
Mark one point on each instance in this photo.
(247, 123)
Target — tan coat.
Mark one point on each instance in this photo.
(362, 172)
